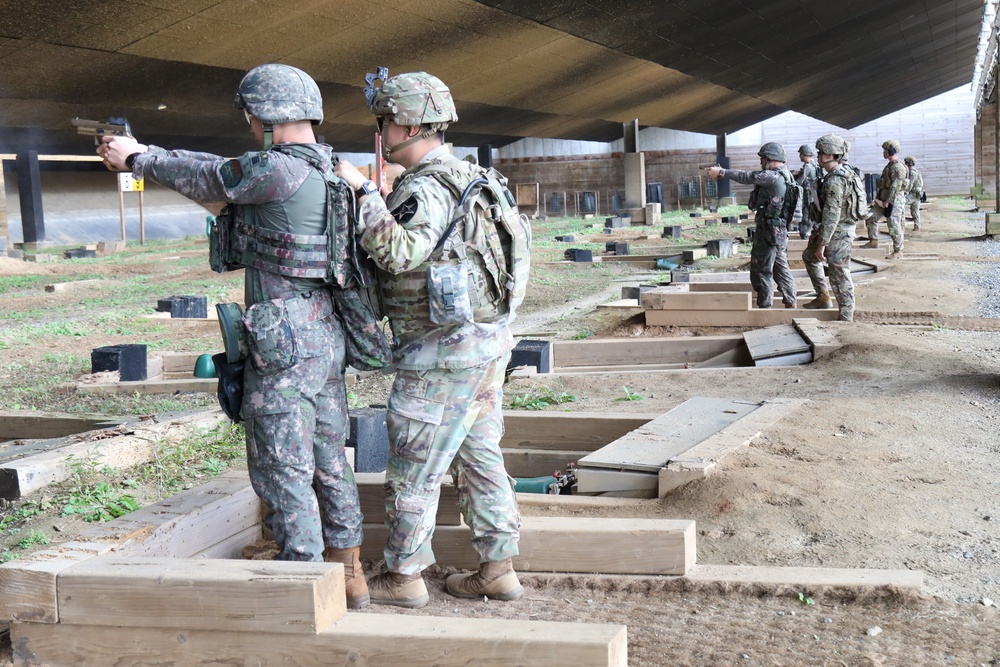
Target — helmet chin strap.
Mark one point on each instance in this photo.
(387, 149)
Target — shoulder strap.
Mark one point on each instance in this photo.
(465, 204)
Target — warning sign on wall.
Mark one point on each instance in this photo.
(128, 183)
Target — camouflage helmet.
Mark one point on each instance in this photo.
(832, 144)
(772, 151)
(909, 160)
(414, 98)
(892, 146)
(806, 149)
(276, 94)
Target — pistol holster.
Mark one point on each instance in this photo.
(230, 389)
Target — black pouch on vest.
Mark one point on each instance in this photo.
(368, 348)
(230, 391)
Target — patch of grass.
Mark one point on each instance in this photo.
(630, 396)
(34, 538)
(199, 456)
(540, 400)
(582, 334)
(58, 329)
(94, 494)
(12, 519)
(13, 283)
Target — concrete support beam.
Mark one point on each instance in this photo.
(29, 187)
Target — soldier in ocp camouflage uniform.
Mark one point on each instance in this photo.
(444, 413)
(808, 177)
(841, 200)
(768, 256)
(889, 200)
(295, 401)
(916, 191)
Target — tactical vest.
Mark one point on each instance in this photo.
(856, 204)
(468, 277)
(776, 203)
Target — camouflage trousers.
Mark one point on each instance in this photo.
(444, 421)
(913, 203)
(838, 260)
(894, 220)
(296, 424)
(769, 263)
(806, 224)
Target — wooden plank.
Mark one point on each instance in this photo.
(232, 546)
(371, 640)
(821, 340)
(804, 287)
(700, 460)
(371, 489)
(794, 359)
(808, 577)
(656, 300)
(618, 483)
(650, 447)
(775, 341)
(237, 595)
(758, 317)
(571, 505)
(561, 544)
(635, 351)
(190, 385)
(72, 285)
(179, 362)
(723, 276)
(31, 424)
(29, 584)
(620, 304)
(572, 431)
(23, 476)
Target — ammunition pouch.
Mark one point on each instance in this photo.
(223, 241)
(234, 333)
(448, 292)
(230, 390)
(367, 347)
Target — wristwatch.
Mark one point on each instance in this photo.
(367, 188)
(130, 160)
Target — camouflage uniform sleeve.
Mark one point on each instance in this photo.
(897, 181)
(759, 177)
(404, 238)
(834, 189)
(253, 178)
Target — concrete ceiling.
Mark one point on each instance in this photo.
(571, 69)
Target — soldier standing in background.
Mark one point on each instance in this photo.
(889, 200)
(769, 254)
(808, 177)
(294, 398)
(444, 411)
(842, 204)
(916, 191)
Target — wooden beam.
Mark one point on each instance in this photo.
(656, 300)
(821, 340)
(776, 341)
(572, 431)
(556, 544)
(537, 462)
(758, 317)
(371, 640)
(172, 593)
(33, 425)
(72, 285)
(20, 477)
(29, 584)
(634, 351)
(699, 461)
(184, 386)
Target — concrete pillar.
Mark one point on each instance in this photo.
(631, 134)
(29, 188)
(486, 156)
(635, 170)
(725, 185)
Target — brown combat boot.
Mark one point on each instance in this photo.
(354, 578)
(399, 590)
(872, 243)
(822, 300)
(897, 253)
(496, 580)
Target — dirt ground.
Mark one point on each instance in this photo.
(892, 463)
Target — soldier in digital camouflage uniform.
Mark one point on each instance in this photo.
(889, 200)
(841, 200)
(916, 190)
(295, 401)
(808, 177)
(444, 412)
(768, 256)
